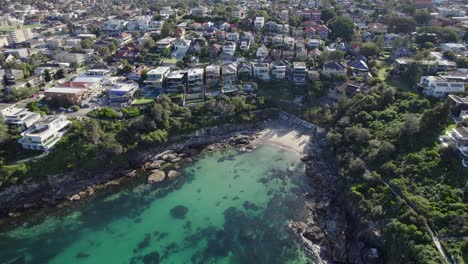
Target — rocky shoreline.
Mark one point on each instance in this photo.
(323, 232)
(61, 189)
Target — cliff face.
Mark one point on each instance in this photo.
(333, 229)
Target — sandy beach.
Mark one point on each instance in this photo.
(279, 133)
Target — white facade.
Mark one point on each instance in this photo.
(195, 80)
(229, 48)
(20, 117)
(278, 71)
(440, 87)
(156, 77)
(261, 71)
(45, 133)
(299, 73)
(259, 22)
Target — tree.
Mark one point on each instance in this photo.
(422, 16)
(60, 74)
(413, 73)
(104, 51)
(369, 49)
(328, 14)
(47, 76)
(402, 24)
(167, 29)
(86, 44)
(332, 55)
(341, 27)
(3, 132)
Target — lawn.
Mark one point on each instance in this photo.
(280, 90)
(142, 101)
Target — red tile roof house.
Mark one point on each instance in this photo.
(136, 74)
(128, 52)
(317, 30)
(124, 38)
(214, 50)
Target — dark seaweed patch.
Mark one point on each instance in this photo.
(179, 211)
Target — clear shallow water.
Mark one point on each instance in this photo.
(227, 207)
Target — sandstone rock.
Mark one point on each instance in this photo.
(74, 197)
(173, 174)
(155, 165)
(177, 159)
(156, 176)
(314, 234)
(132, 174)
(169, 157)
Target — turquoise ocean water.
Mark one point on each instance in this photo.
(227, 207)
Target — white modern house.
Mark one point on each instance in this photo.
(229, 48)
(259, 22)
(156, 77)
(45, 133)
(262, 52)
(20, 117)
(261, 71)
(195, 80)
(440, 87)
(278, 70)
(181, 48)
(459, 136)
(299, 73)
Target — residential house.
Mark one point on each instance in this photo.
(176, 82)
(289, 42)
(232, 36)
(262, 52)
(71, 92)
(351, 88)
(261, 71)
(278, 70)
(402, 52)
(19, 117)
(238, 12)
(214, 50)
(459, 75)
(229, 74)
(259, 22)
(454, 47)
(245, 71)
(165, 43)
(195, 80)
(181, 47)
(459, 135)
(135, 75)
(377, 28)
(124, 38)
(299, 73)
(128, 52)
(199, 11)
(435, 63)
(156, 78)
(229, 48)
(244, 44)
(314, 43)
(335, 68)
(45, 133)
(439, 87)
(360, 67)
(122, 92)
(213, 75)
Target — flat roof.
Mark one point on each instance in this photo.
(159, 70)
(64, 90)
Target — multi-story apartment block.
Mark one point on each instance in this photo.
(229, 74)
(19, 35)
(229, 48)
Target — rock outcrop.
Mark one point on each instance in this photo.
(156, 176)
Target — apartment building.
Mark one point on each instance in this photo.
(259, 22)
(229, 74)
(19, 35)
(278, 70)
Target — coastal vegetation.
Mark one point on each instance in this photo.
(390, 136)
(110, 137)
